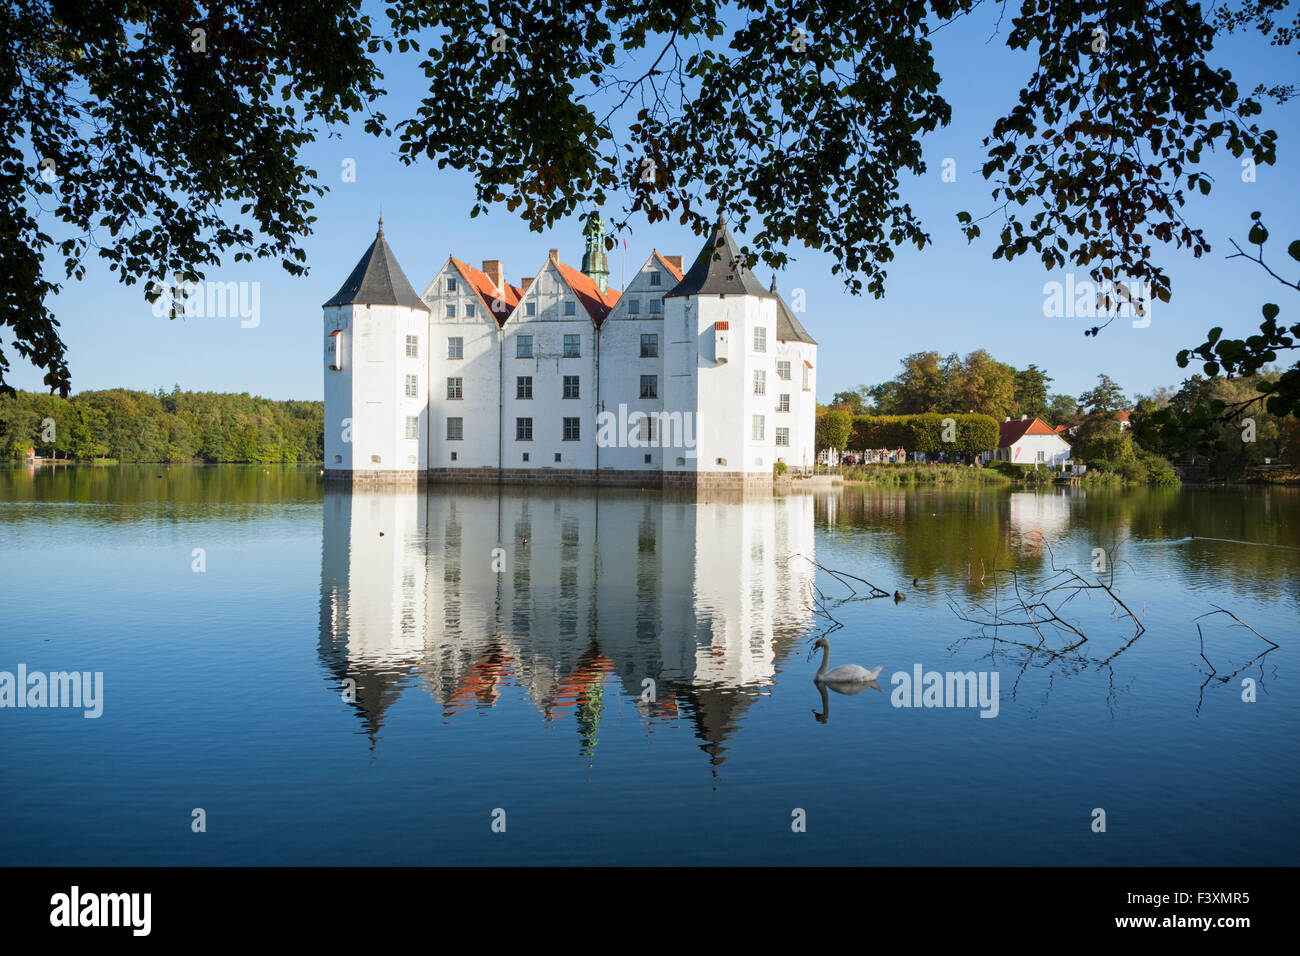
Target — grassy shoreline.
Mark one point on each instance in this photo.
(909, 474)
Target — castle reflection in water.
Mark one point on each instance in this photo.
(571, 597)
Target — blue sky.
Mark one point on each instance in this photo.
(950, 297)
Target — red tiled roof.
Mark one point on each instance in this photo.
(597, 304)
(483, 286)
(1061, 429)
(1011, 432)
(1122, 415)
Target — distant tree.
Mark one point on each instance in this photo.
(884, 397)
(1031, 391)
(1100, 437)
(1105, 396)
(983, 385)
(854, 401)
(832, 430)
(1063, 410)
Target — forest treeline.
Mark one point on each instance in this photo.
(132, 426)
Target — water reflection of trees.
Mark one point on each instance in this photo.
(1229, 535)
(141, 492)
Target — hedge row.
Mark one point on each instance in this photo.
(930, 433)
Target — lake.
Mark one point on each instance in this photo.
(539, 675)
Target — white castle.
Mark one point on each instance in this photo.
(691, 379)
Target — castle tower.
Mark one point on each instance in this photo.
(595, 261)
(720, 369)
(376, 332)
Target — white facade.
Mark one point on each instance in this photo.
(1027, 442)
(368, 400)
(683, 376)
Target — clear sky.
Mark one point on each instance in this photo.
(951, 297)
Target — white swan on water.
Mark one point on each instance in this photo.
(845, 673)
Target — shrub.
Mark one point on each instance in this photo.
(1133, 471)
(779, 468)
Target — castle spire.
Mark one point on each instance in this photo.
(595, 261)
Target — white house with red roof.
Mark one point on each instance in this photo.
(695, 377)
(1029, 441)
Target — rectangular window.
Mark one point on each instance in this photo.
(649, 386)
(412, 386)
(451, 311)
(650, 346)
(455, 388)
(760, 382)
(455, 429)
(573, 346)
(469, 310)
(570, 307)
(571, 432)
(451, 285)
(756, 428)
(656, 306)
(646, 431)
(456, 348)
(633, 306)
(784, 405)
(524, 386)
(523, 429)
(783, 437)
(412, 346)
(524, 346)
(655, 277)
(530, 308)
(783, 371)
(412, 427)
(760, 339)
(570, 386)
(807, 377)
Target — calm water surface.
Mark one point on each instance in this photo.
(364, 678)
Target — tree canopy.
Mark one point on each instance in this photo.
(164, 136)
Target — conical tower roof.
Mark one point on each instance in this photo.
(378, 280)
(788, 328)
(717, 270)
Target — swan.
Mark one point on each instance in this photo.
(845, 673)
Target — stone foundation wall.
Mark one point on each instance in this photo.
(379, 479)
(717, 480)
(574, 477)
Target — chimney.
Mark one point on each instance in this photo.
(524, 284)
(554, 255)
(674, 261)
(1023, 417)
(1007, 419)
(496, 275)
